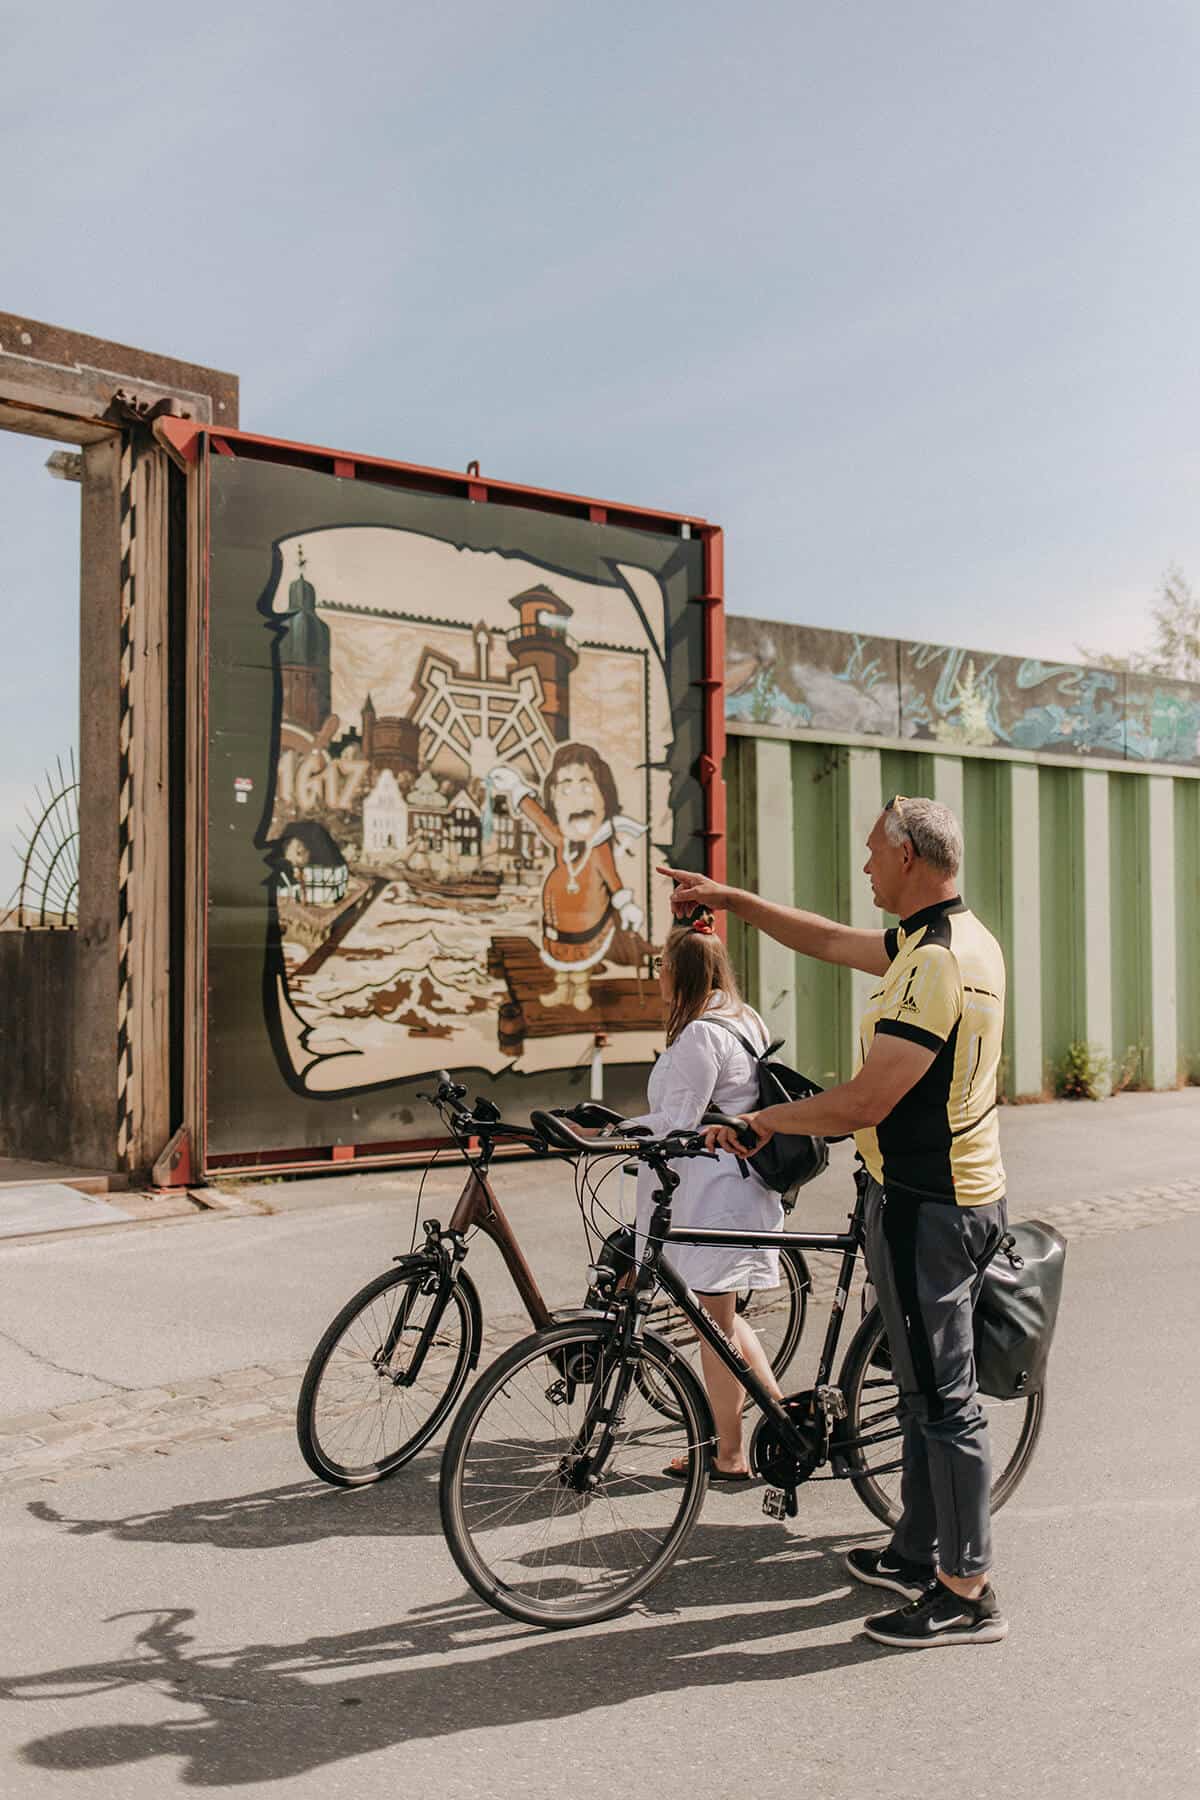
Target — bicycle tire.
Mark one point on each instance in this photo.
(534, 1466)
(796, 1281)
(316, 1447)
(861, 1369)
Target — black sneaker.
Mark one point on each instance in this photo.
(883, 1568)
(940, 1616)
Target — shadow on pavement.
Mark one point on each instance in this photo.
(302, 1512)
(277, 1710)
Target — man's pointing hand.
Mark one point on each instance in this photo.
(692, 890)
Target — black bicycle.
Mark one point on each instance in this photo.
(388, 1369)
(556, 1496)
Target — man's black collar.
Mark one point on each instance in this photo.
(938, 910)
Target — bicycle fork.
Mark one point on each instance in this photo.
(443, 1267)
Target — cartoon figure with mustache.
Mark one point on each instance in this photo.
(583, 898)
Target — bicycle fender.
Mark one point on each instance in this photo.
(801, 1262)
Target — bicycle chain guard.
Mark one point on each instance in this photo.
(813, 1415)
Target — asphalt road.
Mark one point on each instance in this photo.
(212, 1619)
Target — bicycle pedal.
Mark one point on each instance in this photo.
(778, 1503)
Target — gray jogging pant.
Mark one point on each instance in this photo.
(926, 1262)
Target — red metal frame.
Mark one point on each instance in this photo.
(184, 439)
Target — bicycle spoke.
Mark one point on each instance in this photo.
(562, 1508)
(360, 1420)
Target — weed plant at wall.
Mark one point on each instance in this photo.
(1083, 1072)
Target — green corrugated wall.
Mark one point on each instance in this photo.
(1088, 877)
(1187, 924)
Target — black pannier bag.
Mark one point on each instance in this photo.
(785, 1163)
(1016, 1311)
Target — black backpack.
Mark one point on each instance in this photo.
(785, 1163)
(1016, 1311)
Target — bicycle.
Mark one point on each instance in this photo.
(557, 1497)
(390, 1366)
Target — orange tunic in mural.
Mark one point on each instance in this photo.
(578, 912)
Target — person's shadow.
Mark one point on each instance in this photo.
(276, 1710)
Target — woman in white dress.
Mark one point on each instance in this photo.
(705, 1066)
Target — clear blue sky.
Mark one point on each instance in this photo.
(904, 296)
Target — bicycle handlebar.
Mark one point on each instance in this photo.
(483, 1122)
(741, 1131)
(587, 1112)
(633, 1141)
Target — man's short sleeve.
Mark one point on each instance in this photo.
(926, 1000)
(891, 943)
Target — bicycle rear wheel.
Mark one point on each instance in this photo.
(361, 1415)
(554, 1501)
(871, 1442)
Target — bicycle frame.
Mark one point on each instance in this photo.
(654, 1271)
(477, 1209)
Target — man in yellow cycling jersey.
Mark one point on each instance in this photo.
(922, 1108)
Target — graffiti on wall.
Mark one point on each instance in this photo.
(802, 678)
(471, 789)
(794, 675)
(964, 698)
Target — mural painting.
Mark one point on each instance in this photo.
(471, 782)
(800, 677)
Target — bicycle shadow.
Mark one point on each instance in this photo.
(279, 1710)
(278, 1518)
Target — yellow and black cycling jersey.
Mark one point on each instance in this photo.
(944, 988)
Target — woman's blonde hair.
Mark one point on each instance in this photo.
(697, 965)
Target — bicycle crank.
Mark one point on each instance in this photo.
(811, 1416)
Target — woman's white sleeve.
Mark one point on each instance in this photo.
(686, 1081)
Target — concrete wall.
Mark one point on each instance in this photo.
(1087, 875)
(800, 678)
(38, 1087)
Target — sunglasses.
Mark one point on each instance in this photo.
(896, 804)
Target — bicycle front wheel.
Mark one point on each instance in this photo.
(555, 1503)
(365, 1406)
(871, 1442)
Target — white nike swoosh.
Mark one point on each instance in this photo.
(958, 1619)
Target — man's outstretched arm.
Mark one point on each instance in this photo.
(808, 933)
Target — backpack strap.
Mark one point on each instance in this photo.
(755, 1056)
(747, 1046)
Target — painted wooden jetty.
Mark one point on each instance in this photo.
(352, 911)
(619, 1002)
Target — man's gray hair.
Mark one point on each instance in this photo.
(931, 828)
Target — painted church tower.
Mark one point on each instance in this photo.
(304, 659)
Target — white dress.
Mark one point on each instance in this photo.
(707, 1067)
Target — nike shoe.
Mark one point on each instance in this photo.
(940, 1617)
(883, 1568)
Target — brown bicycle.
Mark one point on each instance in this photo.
(388, 1370)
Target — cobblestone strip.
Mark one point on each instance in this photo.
(116, 1430)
